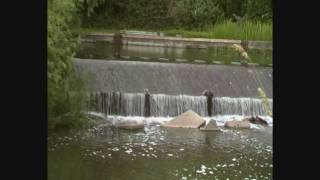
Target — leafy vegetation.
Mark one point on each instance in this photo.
(260, 90)
(64, 109)
(228, 19)
(170, 14)
(247, 30)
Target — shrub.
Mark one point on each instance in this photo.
(62, 42)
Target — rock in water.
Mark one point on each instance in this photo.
(130, 125)
(103, 125)
(211, 126)
(243, 124)
(257, 120)
(188, 119)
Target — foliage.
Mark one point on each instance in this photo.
(186, 14)
(265, 101)
(260, 90)
(194, 13)
(61, 43)
(258, 10)
(62, 18)
(247, 30)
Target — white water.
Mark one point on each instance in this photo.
(133, 104)
(160, 120)
(240, 106)
(167, 105)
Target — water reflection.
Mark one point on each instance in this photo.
(226, 55)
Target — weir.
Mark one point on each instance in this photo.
(115, 88)
(174, 79)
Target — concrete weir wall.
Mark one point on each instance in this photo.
(153, 40)
(174, 79)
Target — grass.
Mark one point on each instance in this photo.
(247, 30)
(230, 30)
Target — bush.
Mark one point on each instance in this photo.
(62, 42)
(247, 30)
(195, 13)
(259, 10)
(187, 14)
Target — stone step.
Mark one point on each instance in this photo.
(125, 57)
(199, 61)
(253, 64)
(181, 60)
(236, 63)
(145, 58)
(141, 33)
(163, 59)
(216, 62)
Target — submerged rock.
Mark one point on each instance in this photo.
(257, 120)
(96, 117)
(243, 124)
(188, 119)
(104, 125)
(130, 125)
(211, 126)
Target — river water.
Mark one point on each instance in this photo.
(106, 152)
(160, 153)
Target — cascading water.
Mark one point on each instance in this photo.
(133, 104)
(239, 106)
(166, 105)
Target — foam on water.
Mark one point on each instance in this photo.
(221, 119)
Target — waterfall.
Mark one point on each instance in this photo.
(132, 104)
(167, 105)
(161, 105)
(239, 106)
(127, 104)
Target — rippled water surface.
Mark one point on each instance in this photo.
(160, 153)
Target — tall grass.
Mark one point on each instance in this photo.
(247, 30)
